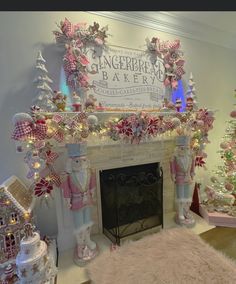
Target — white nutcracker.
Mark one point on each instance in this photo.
(79, 188)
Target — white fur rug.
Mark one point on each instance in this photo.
(174, 256)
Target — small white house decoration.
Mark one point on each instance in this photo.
(16, 204)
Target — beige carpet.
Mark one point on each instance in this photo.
(174, 256)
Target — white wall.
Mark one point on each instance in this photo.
(22, 34)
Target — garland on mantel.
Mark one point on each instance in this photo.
(38, 134)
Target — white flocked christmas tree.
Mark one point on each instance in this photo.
(44, 92)
(222, 192)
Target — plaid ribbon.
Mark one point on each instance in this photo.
(25, 130)
(69, 64)
(174, 44)
(80, 117)
(55, 179)
(39, 144)
(67, 28)
(57, 118)
(51, 156)
(39, 132)
(22, 130)
(179, 71)
(58, 136)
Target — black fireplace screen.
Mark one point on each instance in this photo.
(132, 200)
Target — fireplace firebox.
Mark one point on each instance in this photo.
(132, 200)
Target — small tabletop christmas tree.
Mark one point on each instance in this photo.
(221, 194)
(42, 81)
(191, 102)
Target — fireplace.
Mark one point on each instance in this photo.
(131, 200)
(115, 156)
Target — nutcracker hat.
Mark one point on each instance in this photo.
(182, 140)
(76, 150)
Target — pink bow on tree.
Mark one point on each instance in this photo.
(27, 130)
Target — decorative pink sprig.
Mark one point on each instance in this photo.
(171, 55)
(75, 38)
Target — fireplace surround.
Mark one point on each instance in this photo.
(112, 156)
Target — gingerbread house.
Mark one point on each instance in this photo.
(16, 204)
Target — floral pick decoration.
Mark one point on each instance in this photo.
(172, 58)
(75, 38)
(42, 187)
(139, 127)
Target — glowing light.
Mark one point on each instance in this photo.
(36, 175)
(7, 202)
(26, 216)
(50, 130)
(36, 165)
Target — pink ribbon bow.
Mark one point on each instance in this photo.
(22, 130)
(25, 129)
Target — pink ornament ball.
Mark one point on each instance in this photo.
(214, 179)
(233, 114)
(176, 122)
(224, 145)
(200, 123)
(229, 186)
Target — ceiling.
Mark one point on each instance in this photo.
(217, 28)
(223, 21)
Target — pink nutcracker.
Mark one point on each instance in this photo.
(182, 173)
(79, 188)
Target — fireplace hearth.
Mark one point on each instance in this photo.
(131, 200)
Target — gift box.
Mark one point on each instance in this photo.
(217, 218)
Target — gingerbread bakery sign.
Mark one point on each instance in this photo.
(126, 78)
(118, 77)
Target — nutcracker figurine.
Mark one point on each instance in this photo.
(79, 188)
(182, 173)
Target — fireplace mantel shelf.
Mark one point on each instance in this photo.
(110, 143)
